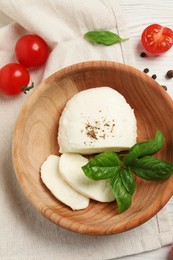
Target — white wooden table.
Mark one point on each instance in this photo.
(140, 14)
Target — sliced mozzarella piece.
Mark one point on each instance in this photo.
(97, 120)
(70, 169)
(59, 188)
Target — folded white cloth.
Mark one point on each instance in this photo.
(62, 23)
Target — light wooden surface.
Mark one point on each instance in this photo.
(138, 15)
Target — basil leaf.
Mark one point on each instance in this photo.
(145, 148)
(150, 168)
(127, 180)
(102, 166)
(103, 37)
(122, 196)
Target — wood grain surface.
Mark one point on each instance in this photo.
(42, 111)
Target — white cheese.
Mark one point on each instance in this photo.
(58, 187)
(70, 169)
(97, 120)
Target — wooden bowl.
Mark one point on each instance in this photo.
(35, 137)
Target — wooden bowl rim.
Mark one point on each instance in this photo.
(41, 88)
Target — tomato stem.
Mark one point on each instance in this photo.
(25, 89)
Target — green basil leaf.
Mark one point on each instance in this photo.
(102, 166)
(145, 148)
(150, 168)
(103, 37)
(127, 180)
(122, 196)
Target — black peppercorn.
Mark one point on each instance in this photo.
(169, 74)
(146, 70)
(154, 76)
(163, 86)
(143, 54)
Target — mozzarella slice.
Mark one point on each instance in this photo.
(97, 120)
(59, 188)
(70, 169)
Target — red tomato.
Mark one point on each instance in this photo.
(157, 39)
(31, 51)
(13, 77)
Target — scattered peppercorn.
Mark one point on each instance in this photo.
(169, 74)
(154, 76)
(98, 129)
(143, 54)
(146, 70)
(163, 86)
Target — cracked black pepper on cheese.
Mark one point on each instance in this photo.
(97, 120)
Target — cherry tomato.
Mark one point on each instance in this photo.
(31, 51)
(13, 77)
(157, 39)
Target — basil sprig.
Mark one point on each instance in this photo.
(103, 37)
(103, 166)
(138, 161)
(150, 168)
(145, 148)
(122, 195)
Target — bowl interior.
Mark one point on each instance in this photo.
(35, 138)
